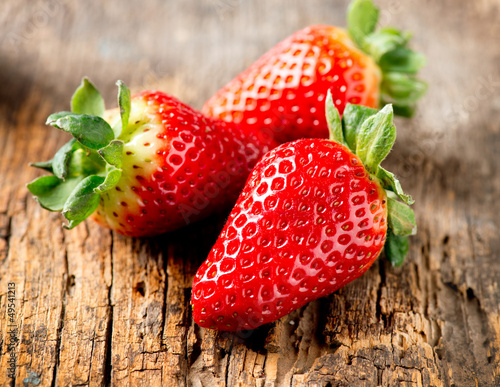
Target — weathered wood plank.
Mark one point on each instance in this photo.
(86, 320)
(96, 308)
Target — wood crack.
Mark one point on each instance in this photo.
(61, 316)
(5, 234)
(91, 357)
(196, 348)
(229, 354)
(378, 306)
(165, 299)
(108, 365)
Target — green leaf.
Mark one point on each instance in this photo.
(87, 100)
(112, 178)
(45, 165)
(352, 119)
(376, 138)
(396, 248)
(60, 163)
(83, 201)
(333, 121)
(390, 181)
(403, 91)
(388, 48)
(86, 162)
(404, 36)
(51, 192)
(402, 60)
(362, 18)
(402, 88)
(56, 116)
(383, 41)
(124, 103)
(400, 217)
(91, 131)
(406, 111)
(113, 153)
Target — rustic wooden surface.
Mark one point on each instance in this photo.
(95, 308)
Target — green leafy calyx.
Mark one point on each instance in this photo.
(370, 134)
(89, 164)
(388, 47)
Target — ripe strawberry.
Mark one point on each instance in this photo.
(284, 91)
(313, 216)
(150, 167)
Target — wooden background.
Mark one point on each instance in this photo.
(96, 308)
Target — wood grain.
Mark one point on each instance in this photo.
(96, 308)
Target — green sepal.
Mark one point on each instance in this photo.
(89, 164)
(333, 121)
(370, 135)
(376, 138)
(388, 48)
(91, 131)
(396, 248)
(113, 153)
(112, 178)
(403, 111)
(55, 116)
(52, 192)
(383, 41)
(400, 217)
(124, 103)
(403, 91)
(60, 162)
(354, 116)
(87, 100)
(362, 17)
(402, 60)
(83, 201)
(45, 165)
(85, 162)
(389, 181)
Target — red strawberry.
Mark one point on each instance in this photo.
(284, 91)
(313, 216)
(150, 167)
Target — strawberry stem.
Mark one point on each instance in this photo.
(388, 47)
(370, 135)
(89, 164)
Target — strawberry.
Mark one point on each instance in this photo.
(149, 167)
(313, 216)
(284, 91)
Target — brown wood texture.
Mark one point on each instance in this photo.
(95, 308)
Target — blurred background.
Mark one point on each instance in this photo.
(191, 48)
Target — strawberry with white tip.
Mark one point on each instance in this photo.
(149, 167)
